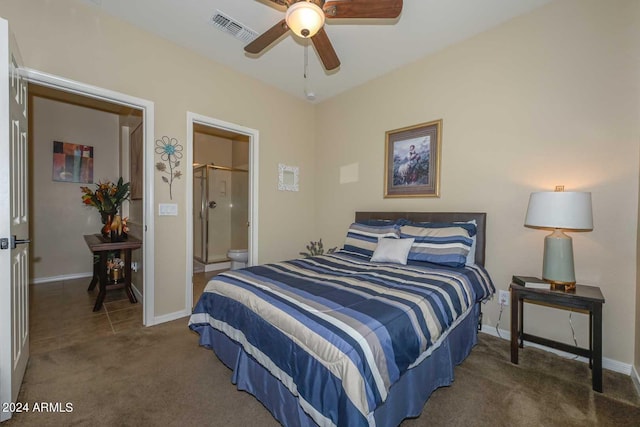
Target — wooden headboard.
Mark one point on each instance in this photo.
(480, 217)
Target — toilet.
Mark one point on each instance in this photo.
(238, 257)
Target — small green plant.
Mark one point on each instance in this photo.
(316, 248)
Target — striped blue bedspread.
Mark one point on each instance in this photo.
(337, 330)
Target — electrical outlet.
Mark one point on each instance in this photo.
(503, 298)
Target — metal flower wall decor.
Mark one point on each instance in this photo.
(170, 153)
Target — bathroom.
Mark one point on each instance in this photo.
(220, 199)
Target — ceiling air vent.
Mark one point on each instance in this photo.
(236, 29)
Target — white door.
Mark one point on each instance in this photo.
(14, 227)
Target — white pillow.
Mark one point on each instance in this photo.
(392, 250)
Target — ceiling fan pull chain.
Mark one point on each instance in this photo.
(310, 95)
(306, 59)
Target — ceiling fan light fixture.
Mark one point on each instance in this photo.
(305, 19)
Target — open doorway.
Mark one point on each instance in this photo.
(222, 207)
(147, 107)
(109, 138)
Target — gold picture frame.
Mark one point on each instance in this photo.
(412, 161)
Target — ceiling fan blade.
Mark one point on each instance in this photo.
(266, 38)
(363, 9)
(325, 50)
(279, 2)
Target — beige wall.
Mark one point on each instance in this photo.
(68, 39)
(549, 98)
(59, 219)
(212, 149)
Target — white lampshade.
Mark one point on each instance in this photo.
(305, 19)
(560, 209)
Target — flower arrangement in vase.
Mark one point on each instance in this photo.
(107, 198)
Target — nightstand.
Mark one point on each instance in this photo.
(100, 246)
(588, 298)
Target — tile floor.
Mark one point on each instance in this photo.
(61, 313)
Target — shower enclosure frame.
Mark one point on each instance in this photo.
(205, 205)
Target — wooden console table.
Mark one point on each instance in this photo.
(101, 247)
(587, 298)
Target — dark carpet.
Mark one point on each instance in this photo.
(160, 376)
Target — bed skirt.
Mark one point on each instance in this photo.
(406, 397)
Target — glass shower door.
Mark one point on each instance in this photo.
(199, 213)
(219, 214)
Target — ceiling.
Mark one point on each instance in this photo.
(366, 48)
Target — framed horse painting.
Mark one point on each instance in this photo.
(412, 161)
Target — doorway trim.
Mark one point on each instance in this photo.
(253, 135)
(147, 107)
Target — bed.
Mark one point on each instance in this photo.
(360, 337)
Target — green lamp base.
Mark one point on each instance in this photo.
(557, 264)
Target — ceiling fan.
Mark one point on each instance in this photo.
(306, 19)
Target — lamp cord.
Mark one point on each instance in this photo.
(573, 332)
(499, 317)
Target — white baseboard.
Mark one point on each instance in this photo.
(171, 316)
(610, 364)
(137, 292)
(76, 276)
(50, 279)
(217, 266)
(636, 379)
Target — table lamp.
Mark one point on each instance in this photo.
(559, 210)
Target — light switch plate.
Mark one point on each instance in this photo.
(168, 209)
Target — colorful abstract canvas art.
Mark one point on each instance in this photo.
(72, 162)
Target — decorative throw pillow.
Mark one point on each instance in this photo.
(470, 226)
(392, 250)
(363, 239)
(439, 245)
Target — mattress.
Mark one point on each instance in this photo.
(338, 333)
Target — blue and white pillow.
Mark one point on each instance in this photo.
(471, 258)
(448, 245)
(399, 221)
(363, 239)
(470, 226)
